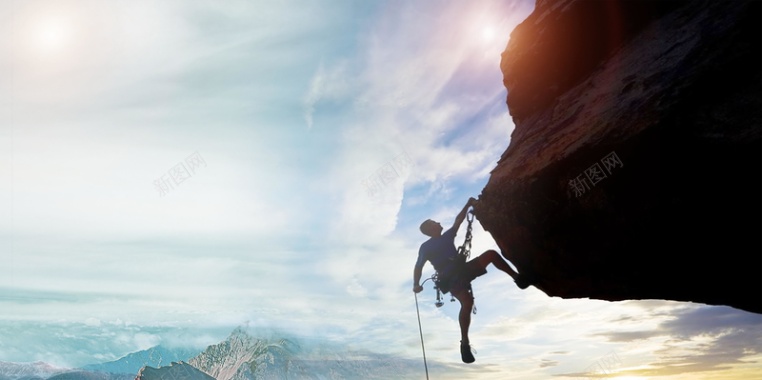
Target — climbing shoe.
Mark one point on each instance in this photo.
(465, 353)
(522, 282)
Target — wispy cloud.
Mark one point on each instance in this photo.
(688, 341)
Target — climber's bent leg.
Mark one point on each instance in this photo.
(492, 257)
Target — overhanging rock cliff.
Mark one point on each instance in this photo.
(635, 168)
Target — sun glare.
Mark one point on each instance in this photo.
(52, 35)
(488, 34)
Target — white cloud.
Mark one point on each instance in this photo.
(409, 112)
(327, 84)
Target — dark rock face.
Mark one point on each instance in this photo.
(635, 169)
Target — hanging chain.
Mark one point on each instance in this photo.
(465, 249)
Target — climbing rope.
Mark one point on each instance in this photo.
(420, 330)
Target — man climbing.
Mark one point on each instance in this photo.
(454, 274)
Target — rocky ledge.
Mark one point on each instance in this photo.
(634, 170)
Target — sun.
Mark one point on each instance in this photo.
(52, 35)
(488, 34)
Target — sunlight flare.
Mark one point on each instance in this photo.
(488, 34)
(52, 35)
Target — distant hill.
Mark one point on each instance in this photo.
(45, 371)
(154, 357)
(88, 375)
(176, 371)
(28, 371)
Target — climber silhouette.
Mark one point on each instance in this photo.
(454, 275)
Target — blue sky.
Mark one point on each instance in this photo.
(309, 140)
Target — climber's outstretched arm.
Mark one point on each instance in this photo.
(462, 214)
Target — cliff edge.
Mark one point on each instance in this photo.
(635, 167)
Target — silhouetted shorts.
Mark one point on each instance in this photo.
(460, 278)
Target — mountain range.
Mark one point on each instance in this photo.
(239, 357)
(244, 357)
